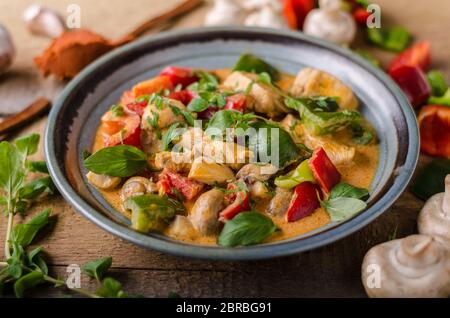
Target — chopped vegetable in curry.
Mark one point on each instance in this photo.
(236, 156)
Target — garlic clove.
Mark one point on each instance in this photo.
(43, 21)
(416, 266)
(224, 12)
(7, 50)
(266, 18)
(434, 218)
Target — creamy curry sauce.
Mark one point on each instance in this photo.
(359, 173)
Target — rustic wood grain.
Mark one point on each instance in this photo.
(332, 271)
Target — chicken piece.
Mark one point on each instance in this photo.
(174, 161)
(206, 171)
(262, 98)
(289, 124)
(253, 172)
(161, 115)
(136, 186)
(103, 182)
(280, 202)
(204, 215)
(182, 228)
(314, 82)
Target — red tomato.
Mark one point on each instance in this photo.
(124, 129)
(295, 12)
(183, 96)
(239, 202)
(418, 55)
(434, 123)
(413, 82)
(361, 15)
(236, 102)
(304, 201)
(137, 107)
(324, 170)
(180, 75)
(188, 188)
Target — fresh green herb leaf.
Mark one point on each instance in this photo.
(24, 234)
(117, 110)
(265, 78)
(207, 82)
(342, 208)
(27, 281)
(172, 134)
(152, 212)
(36, 262)
(437, 82)
(345, 190)
(393, 235)
(173, 295)
(157, 100)
(11, 168)
(190, 120)
(97, 269)
(246, 228)
(36, 187)
(111, 288)
(28, 145)
(37, 166)
(325, 103)
(253, 64)
(368, 57)
(361, 134)
(394, 39)
(430, 179)
(197, 105)
(118, 161)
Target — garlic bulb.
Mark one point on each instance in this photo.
(434, 219)
(225, 12)
(251, 5)
(416, 266)
(7, 50)
(266, 17)
(330, 23)
(43, 21)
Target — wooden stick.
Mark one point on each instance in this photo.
(39, 107)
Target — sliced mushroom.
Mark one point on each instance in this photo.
(204, 215)
(262, 98)
(434, 219)
(136, 186)
(280, 202)
(102, 181)
(313, 82)
(416, 266)
(182, 228)
(209, 172)
(253, 172)
(259, 190)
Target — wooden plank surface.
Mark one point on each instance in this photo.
(332, 271)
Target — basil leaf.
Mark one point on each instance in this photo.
(24, 234)
(361, 134)
(222, 120)
(393, 39)
(97, 269)
(261, 144)
(253, 64)
(152, 212)
(341, 208)
(36, 187)
(118, 161)
(28, 145)
(207, 82)
(197, 105)
(11, 170)
(111, 288)
(37, 166)
(172, 133)
(368, 57)
(246, 228)
(318, 121)
(430, 180)
(36, 261)
(346, 190)
(437, 82)
(27, 281)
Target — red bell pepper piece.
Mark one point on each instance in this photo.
(324, 170)
(183, 76)
(183, 96)
(137, 107)
(413, 82)
(434, 123)
(304, 201)
(361, 15)
(239, 202)
(418, 55)
(236, 102)
(295, 12)
(125, 129)
(169, 180)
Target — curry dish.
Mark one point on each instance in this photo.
(235, 156)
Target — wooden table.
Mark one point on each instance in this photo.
(332, 271)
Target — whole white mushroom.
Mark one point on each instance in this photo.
(225, 12)
(7, 50)
(266, 17)
(43, 21)
(434, 219)
(415, 266)
(331, 23)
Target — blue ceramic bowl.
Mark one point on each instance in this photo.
(76, 114)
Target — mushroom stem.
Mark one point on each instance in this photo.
(446, 200)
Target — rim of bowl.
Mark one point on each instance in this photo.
(263, 251)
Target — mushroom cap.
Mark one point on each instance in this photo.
(434, 218)
(415, 266)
